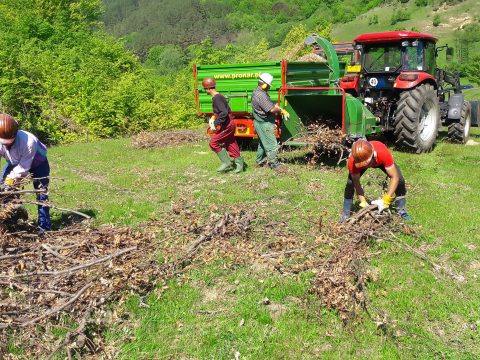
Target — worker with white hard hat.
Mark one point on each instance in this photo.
(264, 113)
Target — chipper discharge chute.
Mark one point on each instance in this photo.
(309, 91)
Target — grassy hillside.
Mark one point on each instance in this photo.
(452, 18)
(214, 309)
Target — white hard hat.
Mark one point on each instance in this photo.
(266, 78)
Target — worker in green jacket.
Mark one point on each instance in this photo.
(264, 113)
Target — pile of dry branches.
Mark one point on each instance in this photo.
(70, 276)
(12, 199)
(341, 279)
(325, 140)
(159, 139)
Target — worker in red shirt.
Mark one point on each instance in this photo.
(223, 143)
(367, 154)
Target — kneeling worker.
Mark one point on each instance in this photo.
(366, 154)
(25, 154)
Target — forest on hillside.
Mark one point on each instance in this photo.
(84, 69)
(145, 23)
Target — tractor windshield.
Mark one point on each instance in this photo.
(382, 58)
(413, 59)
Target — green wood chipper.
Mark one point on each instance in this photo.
(309, 91)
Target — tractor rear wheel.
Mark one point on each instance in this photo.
(459, 132)
(417, 119)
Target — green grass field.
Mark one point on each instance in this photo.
(212, 311)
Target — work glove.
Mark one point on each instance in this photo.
(211, 123)
(9, 181)
(363, 204)
(384, 202)
(285, 113)
(8, 184)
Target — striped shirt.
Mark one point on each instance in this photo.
(262, 104)
(26, 152)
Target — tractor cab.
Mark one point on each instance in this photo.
(390, 60)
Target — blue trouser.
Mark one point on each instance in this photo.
(41, 178)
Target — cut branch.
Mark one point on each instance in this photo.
(72, 269)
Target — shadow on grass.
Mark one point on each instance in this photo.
(66, 219)
(293, 156)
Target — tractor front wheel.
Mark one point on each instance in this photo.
(417, 119)
(459, 132)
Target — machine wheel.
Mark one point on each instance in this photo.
(459, 132)
(417, 119)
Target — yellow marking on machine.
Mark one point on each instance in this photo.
(354, 68)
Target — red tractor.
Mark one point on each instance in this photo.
(395, 75)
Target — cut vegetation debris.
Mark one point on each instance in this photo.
(72, 275)
(323, 140)
(69, 278)
(159, 139)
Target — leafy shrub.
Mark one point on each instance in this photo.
(399, 15)
(166, 59)
(422, 3)
(436, 20)
(65, 80)
(372, 20)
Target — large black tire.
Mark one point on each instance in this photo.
(459, 131)
(475, 114)
(417, 119)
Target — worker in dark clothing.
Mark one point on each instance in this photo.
(264, 113)
(25, 155)
(223, 143)
(367, 154)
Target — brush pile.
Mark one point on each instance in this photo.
(161, 139)
(341, 279)
(324, 139)
(71, 276)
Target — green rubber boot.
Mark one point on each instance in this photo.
(226, 161)
(239, 165)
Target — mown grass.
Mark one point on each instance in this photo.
(215, 311)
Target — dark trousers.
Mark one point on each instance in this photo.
(226, 136)
(400, 191)
(41, 176)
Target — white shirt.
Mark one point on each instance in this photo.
(25, 151)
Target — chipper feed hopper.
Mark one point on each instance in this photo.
(309, 91)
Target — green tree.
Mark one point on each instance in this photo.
(66, 80)
(293, 46)
(166, 59)
(373, 20)
(253, 52)
(399, 15)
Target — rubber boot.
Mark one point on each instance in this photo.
(400, 203)
(347, 209)
(239, 165)
(226, 161)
